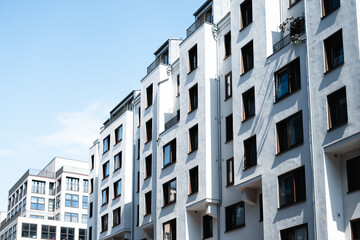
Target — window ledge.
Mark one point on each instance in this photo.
(338, 126)
(227, 56)
(147, 214)
(291, 204)
(286, 96)
(192, 110)
(229, 185)
(228, 141)
(116, 225)
(292, 5)
(334, 68)
(247, 168)
(170, 164)
(169, 204)
(193, 193)
(103, 205)
(192, 151)
(291, 148)
(118, 142)
(103, 179)
(227, 98)
(352, 191)
(117, 170)
(105, 152)
(241, 29)
(234, 229)
(146, 108)
(117, 197)
(246, 71)
(147, 177)
(329, 13)
(248, 119)
(193, 70)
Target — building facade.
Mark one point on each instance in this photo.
(247, 128)
(49, 204)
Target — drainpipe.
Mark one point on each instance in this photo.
(133, 174)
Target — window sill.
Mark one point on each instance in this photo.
(241, 29)
(192, 151)
(248, 118)
(192, 70)
(116, 225)
(147, 177)
(227, 56)
(192, 110)
(337, 126)
(103, 205)
(116, 197)
(247, 168)
(147, 214)
(169, 204)
(291, 148)
(170, 164)
(105, 152)
(228, 141)
(292, 5)
(147, 142)
(291, 204)
(286, 96)
(193, 193)
(117, 170)
(117, 142)
(329, 13)
(227, 98)
(334, 68)
(234, 229)
(245, 72)
(147, 107)
(104, 178)
(229, 185)
(352, 191)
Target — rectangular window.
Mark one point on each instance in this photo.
(106, 144)
(227, 44)
(67, 233)
(72, 184)
(117, 161)
(91, 185)
(169, 153)
(57, 203)
(29, 230)
(104, 223)
(117, 189)
(289, 132)
(355, 229)
(246, 13)
(261, 208)
(228, 85)
(248, 98)
(292, 187)
(51, 206)
(328, 6)
(178, 85)
(247, 54)
(194, 180)
(38, 187)
(84, 218)
(139, 116)
(105, 196)
(71, 217)
(334, 51)
(337, 108)
(193, 98)
(298, 232)
(91, 210)
(85, 185)
(92, 162)
(52, 188)
(138, 148)
(137, 215)
(149, 96)
(38, 203)
(193, 138)
(148, 131)
(118, 134)
(82, 234)
(72, 200)
(287, 79)
(148, 166)
(106, 169)
(169, 192)
(207, 226)
(353, 174)
(235, 216)
(116, 216)
(250, 153)
(85, 202)
(193, 58)
(229, 128)
(230, 172)
(90, 233)
(169, 230)
(148, 203)
(138, 182)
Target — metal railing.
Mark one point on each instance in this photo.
(172, 121)
(153, 65)
(196, 25)
(282, 43)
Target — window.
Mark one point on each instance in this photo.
(148, 166)
(38, 203)
(287, 79)
(139, 116)
(118, 134)
(85, 185)
(328, 6)
(84, 218)
(292, 187)
(138, 215)
(247, 57)
(104, 223)
(353, 174)
(105, 196)
(90, 233)
(138, 182)
(248, 103)
(116, 216)
(289, 132)
(193, 58)
(250, 153)
(57, 202)
(193, 98)
(48, 232)
(246, 13)
(235, 216)
(169, 230)
(298, 232)
(29, 230)
(14, 231)
(37, 216)
(230, 172)
(67, 233)
(82, 234)
(293, 2)
(148, 131)
(169, 153)
(71, 200)
(138, 154)
(207, 226)
(106, 169)
(337, 108)
(148, 203)
(169, 191)
(85, 202)
(194, 180)
(38, 187)
(106, 144)
(91, 210)
(227, 44)
(178, 85)
(91, 185)
(51, 206)
(193, 138)
(72, 184)
(334, 51)
(149, 96)
(92, 162)
(117, 161)
(355, 229)
(52, 188)
(229, 128)
(117, 189)
(228, 86)
(71, 217)
(261, 208)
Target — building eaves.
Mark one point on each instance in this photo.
(202, 7)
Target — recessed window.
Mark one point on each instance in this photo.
(169, 230)
(193, 58)
(106, 144)
(72, 184)
(228, 86)
(148, 130)
(90, 233)
(169, 192)
(138, 148)
(355, 229)
(148, 166)
(169, 153)
(298, 232)
(38, 187)
(104, 223)
(92, 162)
(247, 54)
(116, 216)
(328, 6)
(235, 216)
(229, 128)
(261, 210)
(193, 138)
(293, 2)
(38, 203)
(227, 44)
(29, 230)
(230, 172)
(91, 185)
(105, 196)
(106, 169)
(85, 185)
(71, 217)
(337, 108)
(207, 226)
(334, 51)
(149, 96)
(287, 79)
(138, 182)
(289, 132)
(117, 189)
(51, 206)
(246, 13)
(248, 98)
(48, 232)
(148, 203)
(250, 153)
(82, 234)
(139, 117)
(117, 161)
(178, 85)
(137, 215)
(91, 209)
(71, 200)
(292, 187)
(67, 233)
(118, 134)
(353, 174)
(193, 98)
(194, 180)
(85, 202)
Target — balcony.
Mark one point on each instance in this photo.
(172, 121)
(198, 23)
(282, 43)
(163, 59)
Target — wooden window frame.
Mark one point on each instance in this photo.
(172, 146)
(106, 142)
(172, 229)
(193, 138)
(166, 192)
(330, 44)
(104, 223)
(149, 95)
(245, 20)
(334, 109)
(193, 98)
(149, 130)
(118, 159)
(285, 124)
(148, 203)
(116, 132)
(247, 57)
(193, 58)
(296, 175)
(194, 180)
(247, 98)
(227, 44)
(116, 187)
(106, 191)
(228, 86)
(148, 166)
(325, 11)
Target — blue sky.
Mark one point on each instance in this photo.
(65, 64)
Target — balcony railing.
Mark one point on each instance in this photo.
(197, 24)
(282, 43)
(172, 121)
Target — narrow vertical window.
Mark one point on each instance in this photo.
(334, 51)
(207, 226)
(117, 216)
(169, 192)
(229, 128)
(92, 162)
(228, 86)
(138, 148)
(148, 130)
(355, 229)
(287, 79)
(246, 13)
(169, 153)
(353, 174)
(105, 196)
(138, 182)
(230, 172)
(117, 161)
(148, 166)
(139, 117)
(169, 230)
(261, 208)
(106, 144)
(250, 153)
(227, 44)
(290, 132)
(194, 180)
(235, 216)
(118, 134)
(148, 203)
(193, 58)
(247, 54)
(106, 169)
(149, 96)
(117, 189)
(292, 187)
(178, 85)
(193, 138)
(248, 103)
(337, 108)
(193, 98)
(104, 223)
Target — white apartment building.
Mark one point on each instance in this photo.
(49, 204)
(247, 128)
